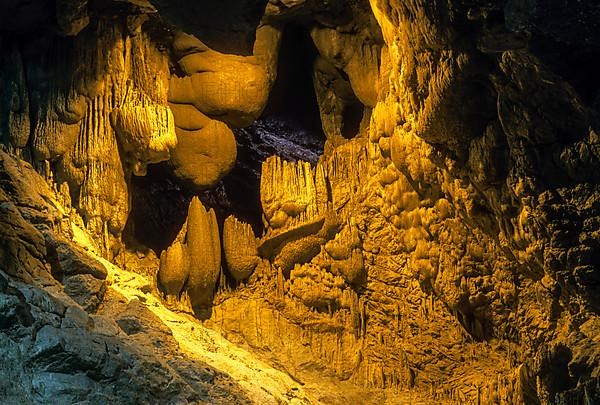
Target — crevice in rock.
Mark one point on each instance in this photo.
(289, 127)
(293, 96)
(158, 209)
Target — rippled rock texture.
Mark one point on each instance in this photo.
(445, 243)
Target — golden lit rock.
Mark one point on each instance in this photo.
(239, 246)
(193, 260)
(440, 247)
(230, 87)
(204, 154)
(204, 252)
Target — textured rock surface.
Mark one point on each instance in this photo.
(193, 260)
(446, 244)
(239, 246)
(96, 108)
(79, 341)
(465, 223)
(124, 355)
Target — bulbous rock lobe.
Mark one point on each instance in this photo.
(240, 247)
(215, 91)
(192, 264)
(206, 148)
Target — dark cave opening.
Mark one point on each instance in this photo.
(290, 127)
(158, 209)
(352, 117)
(575, 63)
(293, 96)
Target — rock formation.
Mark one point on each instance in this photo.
(239, 246)
(444, 246)
(233, 88)
(291, 194)
(97, 113)
(193, 260)
(450, 226)
(65, 335)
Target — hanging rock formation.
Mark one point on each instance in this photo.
(206, 150)
(91, 110)
(346, 72)
(233, 89)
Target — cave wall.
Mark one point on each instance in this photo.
(89, 110)
(448, 244)
(474, 194)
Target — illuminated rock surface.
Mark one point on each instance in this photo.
(239, 245)
(444, 247)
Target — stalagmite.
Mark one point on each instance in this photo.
(174, 269)
(239, 246)
(193, 260)
(204, 252)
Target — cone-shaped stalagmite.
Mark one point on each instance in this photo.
(174, 269)
(204, 253)
(193, 261)
(239, 245)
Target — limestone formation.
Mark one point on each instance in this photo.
(174, 269)
(67, 334)
(192, 264)
(230, 87)
(443, 249)
(346, 73)
(204, 251)
(215, 89)
(206, 148)
(240, 248)
(346, 255)
(291, 193)
(98, 112)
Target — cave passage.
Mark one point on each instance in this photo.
(289, 127)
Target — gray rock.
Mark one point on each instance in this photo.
(69, 260)
(62, 388)
(86, 290)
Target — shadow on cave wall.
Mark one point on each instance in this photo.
(224, 25)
